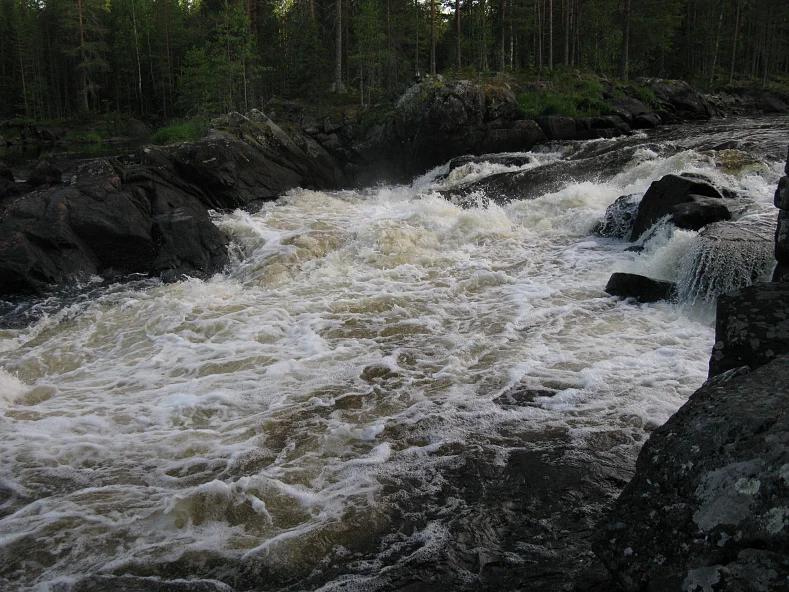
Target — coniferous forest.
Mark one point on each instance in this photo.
(196, 58)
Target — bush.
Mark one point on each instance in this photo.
(83, 137)
(186, 131)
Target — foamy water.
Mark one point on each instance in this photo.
(249, 423)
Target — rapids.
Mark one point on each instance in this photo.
(384, 391)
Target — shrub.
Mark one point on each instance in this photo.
(185, 131)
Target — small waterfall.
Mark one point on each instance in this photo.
(727, 256)
(619, 217)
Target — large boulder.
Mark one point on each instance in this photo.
(679, 100)
(521, 136)
(642, 288)
(752, 327)
(556, 127)
(708, 507)
(663, 195)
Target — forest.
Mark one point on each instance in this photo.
(195, 58)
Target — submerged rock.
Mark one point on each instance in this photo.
(727, 256)
(500, 159)
(642, 288)
(663, 195)
(709, 503)
(619, 217)
(752, 327)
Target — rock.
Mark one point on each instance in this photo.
(557, 128)
(699, 212)
(50, 133)
(619, 217)
(6, 173)
(137, 129)
(330, 126)
(501, 104)
(104, 583)
(437, 121)
(597, 134)
(727, 256)
(646, 121)
(44, 173)
(752, 327)
(781, 199)
(642, 288)
(610, 122)
(662, 196)
(708, 503)
(628, 108)
(680, 99)
(500, 159)
(521, 137)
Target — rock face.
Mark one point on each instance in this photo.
(680, 101)
(781, 273)
(752, 327)
(151, 217)
(700, 211)
(663, 195)
(642, 288)
(708, 507)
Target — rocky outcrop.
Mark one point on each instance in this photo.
(781, 201)
(663, 195)
(642, 288)
(151, 216)
(680, 101)
(708, 507)
(752, 327)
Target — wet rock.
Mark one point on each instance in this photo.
(619, 217)
(557, 128)
(752, 327)
(699, 212)
(500, 159)
(727, 256)
(646, 121)
(522, 395)
(663, 195)
(138, 129)
(708, 506)
(781, 199)
(44, 173)
(642, 288)
(611, 122)
(523, 135)
(98, 583)
(597, 134)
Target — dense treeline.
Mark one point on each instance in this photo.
(166, 58)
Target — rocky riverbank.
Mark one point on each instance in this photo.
(708, 507)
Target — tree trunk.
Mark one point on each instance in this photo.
(338, 86)
(83, 72)
(717, 44)
(550, 34)
(432, 36)
(734, 43)
(626, 42)
(457, 21)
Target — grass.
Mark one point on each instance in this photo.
(567, 94)
(84, 137)
(184, 131)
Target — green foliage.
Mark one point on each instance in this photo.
(84, 137)
(568, 94)
(184, 131)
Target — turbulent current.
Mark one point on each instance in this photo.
(384, 391)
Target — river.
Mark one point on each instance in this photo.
(384, 391)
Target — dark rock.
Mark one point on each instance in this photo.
(782, 237)
(628, 108)
(44, 173)
(642, 288)
(646, 121)
(724, 191)
(188, 242)
(49, 134)
(610, 122)
(699, 212)
(501, 104)
(707, 507)
(98, 583)
(680, 100)
(780, 273)
(330, 126)
(502, 159)
(781, 199)
(522, 136)
(597, 134)
(138, 129)
(522, 395)
(557, 128)
(662, 196)
(619, 217)
(6, 173)
(752, 327)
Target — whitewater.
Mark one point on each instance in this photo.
(384, 390)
